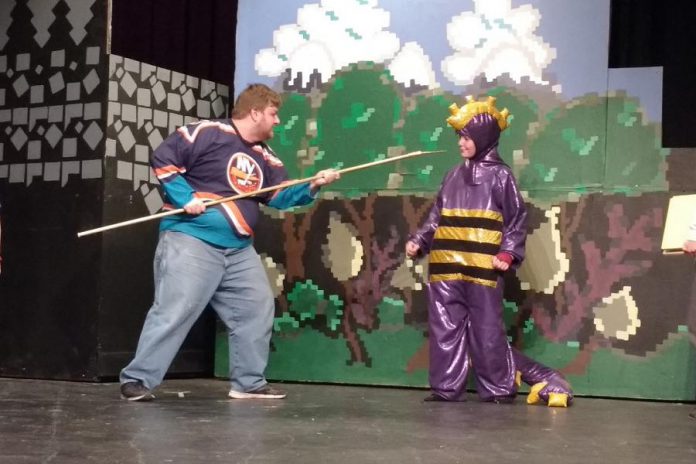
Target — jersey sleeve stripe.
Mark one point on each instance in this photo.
(190, 137)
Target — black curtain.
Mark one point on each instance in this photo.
(660, 33)
(195, 37)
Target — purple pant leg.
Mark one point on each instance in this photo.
(465, 320)
(491, 355)
(447, 323)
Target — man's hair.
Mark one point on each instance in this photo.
(254, 97)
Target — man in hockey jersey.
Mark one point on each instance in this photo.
(206, 256)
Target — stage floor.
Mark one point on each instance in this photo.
(192, 421)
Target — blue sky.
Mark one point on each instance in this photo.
(578, 30)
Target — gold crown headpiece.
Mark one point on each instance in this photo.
(461, 116)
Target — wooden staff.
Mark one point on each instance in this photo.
(255, 192)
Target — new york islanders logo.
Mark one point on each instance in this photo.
(244, 173)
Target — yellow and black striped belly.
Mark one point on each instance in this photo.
(463, 246)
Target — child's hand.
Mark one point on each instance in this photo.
(500, 265)
(412, 249)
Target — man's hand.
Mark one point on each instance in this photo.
(195, 206)
(690, 247)
(324, 177)
(412, 249)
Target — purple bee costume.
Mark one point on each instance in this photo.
(478, 214)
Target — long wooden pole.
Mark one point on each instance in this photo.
(255, 192)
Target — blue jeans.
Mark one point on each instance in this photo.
(189, 275)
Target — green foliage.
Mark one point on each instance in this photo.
(306, 301)
(635, 158)
(308, 355)
(298, 353)
(523, 111)
(509, 313)
(666, 375)
(594, 143)
(290, 135)
(589, 144)
(285, 322)
(425, 129)
(390, 313)
(391, 346)
(355, 125)
(568, 152)
(544, 351)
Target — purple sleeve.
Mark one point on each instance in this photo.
(514, 219)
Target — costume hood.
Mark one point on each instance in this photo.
(483, 123)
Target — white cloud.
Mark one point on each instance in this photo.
(496, 39)
(327, 37)
(411, 63)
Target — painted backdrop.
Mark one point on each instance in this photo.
(367, 79)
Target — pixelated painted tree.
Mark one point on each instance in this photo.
(581, 148)
(567, 153)
(523, 112)
(635, 157)
(290, 136)
(354, 125)
(363, 265)
(565, 300)
(425, 129)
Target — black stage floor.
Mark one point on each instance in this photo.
(192, 421)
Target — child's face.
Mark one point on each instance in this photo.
(467, 147)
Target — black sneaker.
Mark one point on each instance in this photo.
(503, 399)
(434, 397)
(266, 392)
(693, 414)
(136, 391)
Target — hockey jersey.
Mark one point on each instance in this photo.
(209, 160)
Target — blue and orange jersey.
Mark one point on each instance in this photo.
(209, 160)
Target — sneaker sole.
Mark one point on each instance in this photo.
(235, 395)
(146, 397)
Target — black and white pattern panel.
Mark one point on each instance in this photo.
(51, 90)
(146, 104)
(70, 112)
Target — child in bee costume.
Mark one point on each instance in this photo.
(475, 231)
